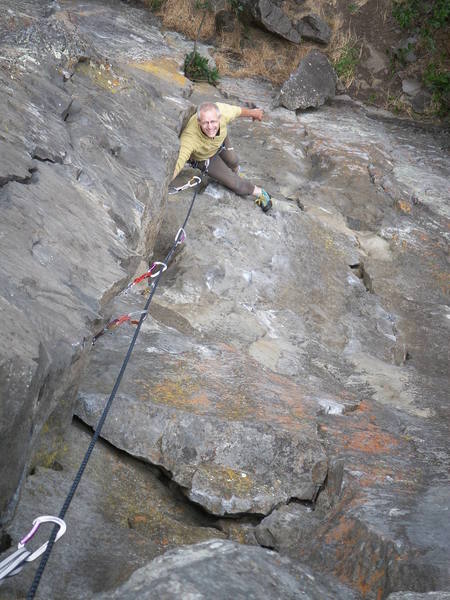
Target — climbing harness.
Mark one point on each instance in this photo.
(193, 182)
(179, 238)
(14, 563)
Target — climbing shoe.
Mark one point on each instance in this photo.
(264, 201)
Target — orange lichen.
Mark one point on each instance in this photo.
(404, 206)
(372, 440)
(163, 68)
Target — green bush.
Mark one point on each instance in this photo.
(196, 68)
(346, 63)
(425, 15)
(438, 82)
(406, 12)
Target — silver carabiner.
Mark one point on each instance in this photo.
(36, 524)
(193, 181)
(161, 270)
(16, 561)
(13, 564)
(180, 237)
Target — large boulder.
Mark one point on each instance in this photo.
(313, 28)
(310, 85)
(220, 570)
(273, 18)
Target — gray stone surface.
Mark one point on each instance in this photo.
(421, 101)
(411, 86)
(85, 159)
(245, 304)
(123, 515)
(414, 596)
(313, 28)
(310, 85)
(221, 570)
(227, 467)
(306, 349)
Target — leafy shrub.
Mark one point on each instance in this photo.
(196, 68)
(406, 12)
(236, 7)
(346, 63)
(426, 15)
(438, 81)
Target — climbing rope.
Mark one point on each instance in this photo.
(179, 238)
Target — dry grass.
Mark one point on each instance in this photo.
(340, 40)
(265, 56)
(360, 3)
(345, 52)
(397, 106)
(182, 16)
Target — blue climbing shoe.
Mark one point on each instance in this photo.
(264, 201)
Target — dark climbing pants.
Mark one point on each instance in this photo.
(221, 167)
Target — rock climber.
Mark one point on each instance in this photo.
(204, 144)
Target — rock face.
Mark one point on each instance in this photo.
(310, 85)
(292, 372)
(85, 159)
(413, 596)
(223, 569)
(122, 516)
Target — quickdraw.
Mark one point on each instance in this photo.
(193, 181)
(130, 318)
(149, 274)
(13, 564)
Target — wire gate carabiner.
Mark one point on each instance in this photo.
(14, 563)
(193, 181)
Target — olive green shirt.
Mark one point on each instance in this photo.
(195, 145)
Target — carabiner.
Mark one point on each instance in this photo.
(180, 237)
(14, 563)
(36, 524)
(193, 181)
(161, 270)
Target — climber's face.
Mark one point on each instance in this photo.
(209, 122)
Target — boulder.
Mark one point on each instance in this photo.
(313, 28)
(411, 86)
(421, 101)
(220, 570)
(310, 85)
(273, 18)
(225, 21)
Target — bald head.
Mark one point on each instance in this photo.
(208, 116)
